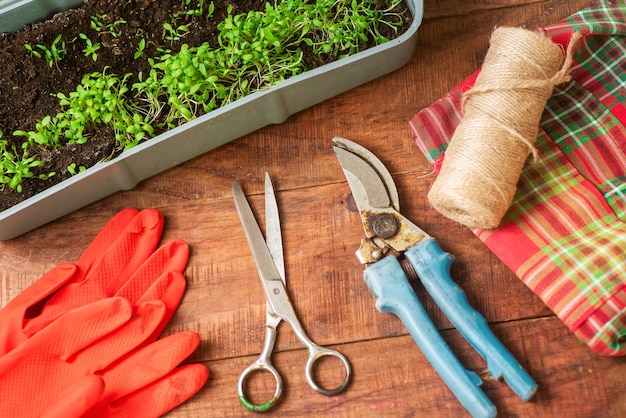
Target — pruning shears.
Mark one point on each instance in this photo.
(394, 250)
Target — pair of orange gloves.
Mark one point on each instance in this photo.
(83, 339)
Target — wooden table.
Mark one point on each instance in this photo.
(224, 302)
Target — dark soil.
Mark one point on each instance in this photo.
(27, 83)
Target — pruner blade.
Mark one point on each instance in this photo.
(376, 197)
(366, 174)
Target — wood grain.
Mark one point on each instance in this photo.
(224, 302)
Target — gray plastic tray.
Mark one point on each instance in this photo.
(14, 14)
(211, 130)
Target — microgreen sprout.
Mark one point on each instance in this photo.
(52, 54)
(194, 12)
(115, 32)
(91, 48)
(100, 99)
(73, 169)
(174, 33)
(32, 50)
(340, 28)
(14, 168)
(188, 10)
(46, 134)
(98, 23)
(140, 48)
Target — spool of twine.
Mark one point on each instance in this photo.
(501, 116)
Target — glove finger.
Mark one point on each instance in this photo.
(114, 267)
(82, 342)
(160, 397)
(28, 304)
(171, 257)
(107, 236)
(148, 364)
(117, 262)
(126, 252)
(114, 346)
(166, 264)
(77, 399)
(169, 288)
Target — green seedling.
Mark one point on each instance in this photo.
(91, 48)
(14, 168)
(32, 51)
(52, 54)
(172, 33)
(73, 169)
(340, 28)
(46, 134)
(98, 23)
(194, 12)
(115, 32)
(141, 46)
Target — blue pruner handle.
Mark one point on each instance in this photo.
(432, 265)
(393, 293)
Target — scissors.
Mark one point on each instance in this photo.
(396, 250)
(268, 256)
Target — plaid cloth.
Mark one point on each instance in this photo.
(565, 233)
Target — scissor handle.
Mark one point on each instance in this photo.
(315, 354)
(262, 364)
(259, 366)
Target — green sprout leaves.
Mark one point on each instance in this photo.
(73, 169)
(52, 54)
(254, 51)
(342, 28)
(15, 167)
(174, 33)
(140, 48)
(100, 99)
(91, 47)
(104, 24)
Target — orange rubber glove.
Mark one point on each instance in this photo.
(107, 268)
(87, 330)
(93, 351)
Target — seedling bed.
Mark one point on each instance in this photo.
(44, 66)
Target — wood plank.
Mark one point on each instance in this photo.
(447, 8)
(392, 379)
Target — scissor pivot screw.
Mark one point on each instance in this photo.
(384, 225)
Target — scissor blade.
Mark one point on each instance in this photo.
(260, 252)
(273, 235)
(369, 179)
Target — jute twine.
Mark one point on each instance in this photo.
(501, 116)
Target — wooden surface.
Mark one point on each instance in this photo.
(224, 301)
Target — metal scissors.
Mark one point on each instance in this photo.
(268, 256)
(396, 250)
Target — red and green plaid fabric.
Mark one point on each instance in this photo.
(565, 234)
